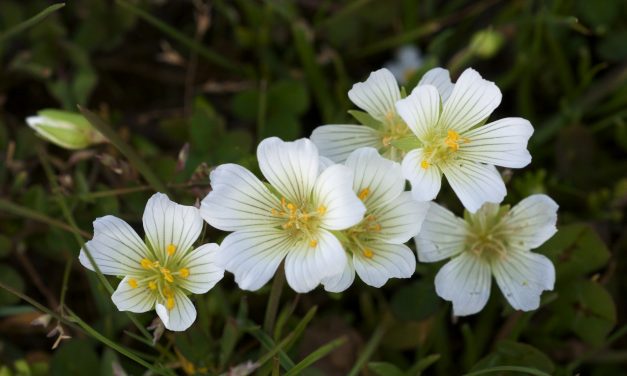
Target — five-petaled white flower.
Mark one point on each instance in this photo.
(293, 219)
(493, 241)
(161, 272)
(456, 144)
(375, 245)
(377, 96)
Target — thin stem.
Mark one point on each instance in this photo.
(30, 22)
(273, 301)
(372, 345)
(21, 211)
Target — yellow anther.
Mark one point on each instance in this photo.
(152, 285)
(291, 207)
(275, 212)
(184, 272)
(169, 303)
(364, 193)
(132, 282)
(368, 253)
(424, 164)
(313, 243)
(171, 248)
(376, 227)
(386, 141)
(167, 275)
(452, 140)
(146, 264)
(283, 202)
(322, 209)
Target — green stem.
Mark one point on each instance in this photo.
(21, 211)
(273, 301)
(30, 22)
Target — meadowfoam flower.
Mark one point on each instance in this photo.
(375, 246)
(161, 272)
(291, 219)
(456, 144)
(377, 96)
(493, 241)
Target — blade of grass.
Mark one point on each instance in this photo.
(273, 301)
(527, 370)
(125, 149)
(30, 22)
(190, 43)
(372, 345)
(315, 356)
(21, 211)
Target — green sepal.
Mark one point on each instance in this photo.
(407, 143)
(365, 119)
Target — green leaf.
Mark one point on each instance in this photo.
(30, 22)
(509, 369)
(591, 311)
(365, 119)
(509, 353)
(315, 356)
(423, 364)
(5, 246)
(385, 369)
(575, 250)
(288, 97)
(283, 125)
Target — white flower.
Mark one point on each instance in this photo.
(161, 272)
(493, 241)
(407, 61)
(377, 96)
(456, 144)
(375, 245)
(293, 219)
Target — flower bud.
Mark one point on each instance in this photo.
(486, 43)
(65, 129)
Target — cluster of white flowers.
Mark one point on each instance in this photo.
(336, 206)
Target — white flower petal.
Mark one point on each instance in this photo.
(166, 222)
(342, 281)
(420, 110)
(522, 276)
(116, 247)
(334, 191)
(532, 221)
(336, 142)
(475, 183)
(442, 235)
(139, 299)
(324, 163)
(181, 316)
(306, 267)
(204, 273)
(473, 99)
(377, 94)
(290, 167)
(386, 261)
(400, 219)
(237, 200)
(383, 179)
(425, 182)
(254, 255)
(441, 79)
(465, 281)
(500, 143)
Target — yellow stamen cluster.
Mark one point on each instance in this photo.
(301, 222)
(442, 148)
(160, 278)
(368, 253)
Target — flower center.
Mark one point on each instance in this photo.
(300, 221)
(393, 128)
(358, 236)
(488, 234)
(441, 149)
(161, 278)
